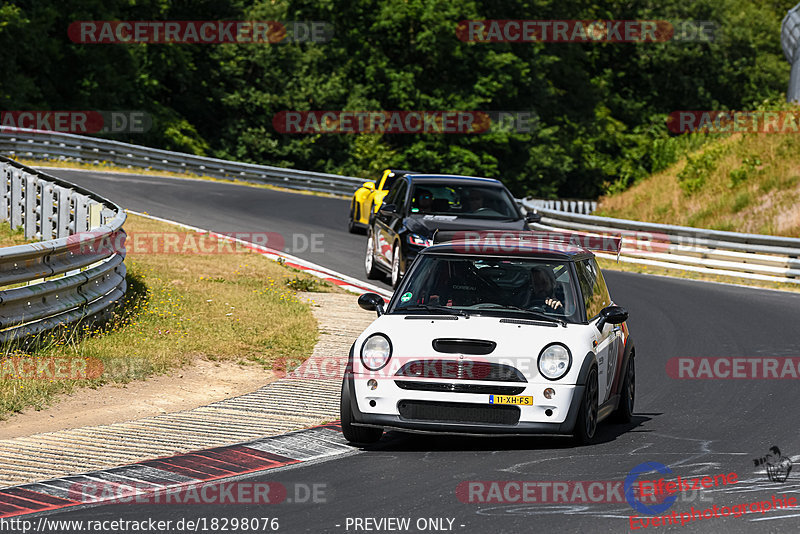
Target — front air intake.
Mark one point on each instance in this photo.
(463, 346)
(458, 412)
(461, 370)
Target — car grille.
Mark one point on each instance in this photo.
(456, 412)
(461, 370)
(463, 346)
(459, 388)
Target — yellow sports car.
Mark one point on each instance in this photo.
(369, 197)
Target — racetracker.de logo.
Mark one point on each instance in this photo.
(78, 122)
(202, 493)
(100, 243)
(741, 368)
(541, 491)
(380, 122)
(198, 31)
(712, 122)
(585, 31)
(37, 368)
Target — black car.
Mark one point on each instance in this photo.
(418, 205)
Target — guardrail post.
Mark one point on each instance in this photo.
(95, 211)
(81, 213)
(64, 208)
(106, 215)
(5, 194)
(48, 216)
(16, 199)
(31, 197)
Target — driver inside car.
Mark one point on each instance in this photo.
(475, 201)
(543, 290)
(424, 201)
(459, 285)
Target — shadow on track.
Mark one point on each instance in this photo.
(400, 441)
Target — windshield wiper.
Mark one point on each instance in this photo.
(428, 307)
(532, 313)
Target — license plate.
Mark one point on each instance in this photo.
(511, 399)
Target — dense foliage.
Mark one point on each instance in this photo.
(601, 107)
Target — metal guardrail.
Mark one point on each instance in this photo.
(752, 256)
(23, 142)
(72, 274)
(690, 249)
(586, 207)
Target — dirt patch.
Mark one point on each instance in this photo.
(199, 384)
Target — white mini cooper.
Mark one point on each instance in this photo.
(509, 334)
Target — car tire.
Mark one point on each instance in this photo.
(351, 225)
(396, 261)
(624, 412)
(586, 425)
(355, 434)
(369, 259)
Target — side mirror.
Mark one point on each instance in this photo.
(612, 315)
(533, 217)
(371, 302)
(369, 185)
(387, 209)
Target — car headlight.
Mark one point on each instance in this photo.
(554, 361)
(420, 241)
(376, 351)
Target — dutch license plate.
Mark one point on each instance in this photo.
(511, 399)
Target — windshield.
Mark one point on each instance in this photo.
(391, 178)
(465, 200)
(536, 288)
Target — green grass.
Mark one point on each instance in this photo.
(178, 307)
(9, 237)
(742, 183)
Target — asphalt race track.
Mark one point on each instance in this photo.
(225, 207)
(696, 427)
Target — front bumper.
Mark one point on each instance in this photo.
(388, 422)
(532, 419)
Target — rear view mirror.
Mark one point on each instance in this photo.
(387, 209)
(368, 185)
(371, 302)
(533, 217)
(612, 315)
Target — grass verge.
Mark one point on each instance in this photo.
(741, 183)
(238, 306)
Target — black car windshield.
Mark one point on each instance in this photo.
(521, 287)
(391, 178)
(462, 200)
